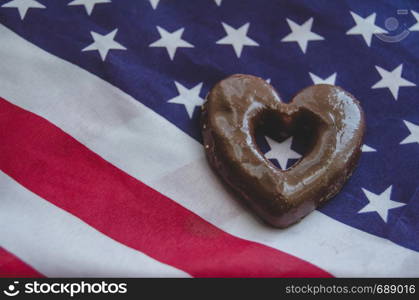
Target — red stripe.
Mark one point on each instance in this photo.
(11, 266)
(61, 170)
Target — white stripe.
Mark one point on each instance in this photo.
(101, 115)
(57, 244)
(148, 147)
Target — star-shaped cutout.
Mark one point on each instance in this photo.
(154, 3)
(318, 80)
(366, 148)
(88, 4)
(23, 6)
(365, 27)
(413, 137)
(171, 41)
(218, 2)
(392, 80)
(302, 34)
(104, 43)
(237, 38)
(415, 27)
(188, 97)
(282, 152)
(381, 204)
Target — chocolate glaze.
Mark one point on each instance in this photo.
(240, 104)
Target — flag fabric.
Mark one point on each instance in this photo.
(102, 169)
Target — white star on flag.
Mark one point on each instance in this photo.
(218, 2)
(171, 41)
(365, 27)
(88, 4)
(23, 6)
(413, 137)
(366, 148)
(154, 3)
(392, 80)
(381, 204)
(302, 34)
(104, 43)
(329, 80)
(282, 152)
(415, 27)
(237, 38)
(188, 97)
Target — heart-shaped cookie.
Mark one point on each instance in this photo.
(327, 115)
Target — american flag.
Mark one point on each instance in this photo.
(102, 170)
